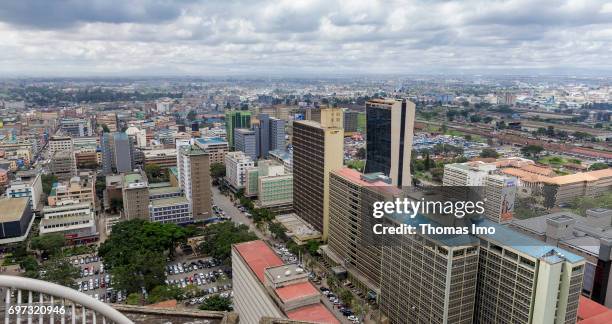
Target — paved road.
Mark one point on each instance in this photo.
(230, 210)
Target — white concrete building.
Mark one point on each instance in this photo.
(236, 164)
(76, 221)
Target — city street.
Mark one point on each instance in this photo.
(230, 210)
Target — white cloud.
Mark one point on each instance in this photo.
(302, 36)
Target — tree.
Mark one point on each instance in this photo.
(312, 246)
(361, 153)
(346, 296)
(133, 299)
(135, 253)
(59, 271)
(489, 153)
(532, 150)
(475, 119)
(47, 182)
(278, 231)
(153, 170)
(443, 128)
(217, 303)
(437, 174)
(164, 292)
(598, 166)
(191, 115)
(487, 119)
(116, 204)
(48, 243)
(220, 237)
(29, 263)
(217, 170)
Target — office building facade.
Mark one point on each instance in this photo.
(135, 193)
(352, 195)
(236, 119)
(245, 141)
(317, 150)
(194, 179)
(236, 165)
(216, 147)
(389, 133)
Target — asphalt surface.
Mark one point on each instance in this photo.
(233, 212)
(102, 290)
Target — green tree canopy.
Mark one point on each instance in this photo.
(598, 166)
(164, 292)
(220, 237)
(532, 150)
(57, 270)
(135, 252)
(217, 170)
(48, 243)
(217, 303)
(47, 182)
(489, 153)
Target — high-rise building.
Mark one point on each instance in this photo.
(505, 277)
(135, 194)
(277, 134)
(499, 190)
(351, 121)
(122, 152)
(428, 279)
(63, 164)
(76, 127)
(60, 143)
(245, 141)
(270, 134)
(117, 153)
(216, 147)
(521, 280)
(389, 133)
(266, 287)
(107, 119)
(194, 179)
(318, 149)
(352, 195)
(236, 119)
(236, 165)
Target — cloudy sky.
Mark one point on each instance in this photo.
(316, 37)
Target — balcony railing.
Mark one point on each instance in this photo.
(35, 301)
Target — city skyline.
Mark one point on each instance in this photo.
(304, 38)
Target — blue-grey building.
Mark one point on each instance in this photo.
(246, 142)
(270, 135)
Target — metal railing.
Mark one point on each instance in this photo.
(35, 301)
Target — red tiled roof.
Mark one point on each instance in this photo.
(316, 313)
(590, 312)
(296, 291)
(259, 256)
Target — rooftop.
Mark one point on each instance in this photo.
(258, 256)
(590, 312)
(163, 190)
(316, 313)
(169, 201)
(525, 244)
(12, 208)
(296, 291)
(211, 140)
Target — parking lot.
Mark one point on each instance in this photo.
(208, 275)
